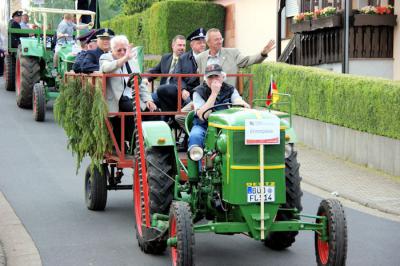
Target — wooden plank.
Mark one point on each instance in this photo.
(351, 42)
(367, 43)
(375, 39)
(359, 42)
(384, 42)
(390, 43)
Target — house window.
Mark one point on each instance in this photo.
(311, 5)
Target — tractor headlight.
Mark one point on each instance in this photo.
(196, 153)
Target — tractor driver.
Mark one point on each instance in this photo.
(213, 91)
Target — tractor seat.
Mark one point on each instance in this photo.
(189, 122)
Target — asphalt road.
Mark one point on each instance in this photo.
(38, 178)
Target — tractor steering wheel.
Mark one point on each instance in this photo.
(218, 105)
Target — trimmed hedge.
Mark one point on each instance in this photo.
(366, 104)
(155, 27)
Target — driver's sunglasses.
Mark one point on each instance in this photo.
(121, 50)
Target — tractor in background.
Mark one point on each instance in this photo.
(36, 82)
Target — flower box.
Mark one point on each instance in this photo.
(301, 26)
(326, 22)
(374, 20)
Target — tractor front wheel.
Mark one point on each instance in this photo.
(27, 74)
(9, 72)
(181, 229)
(333, 251)
(95, 189)
(283, 240)
(160, 170)
(39, 102)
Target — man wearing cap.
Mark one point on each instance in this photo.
(167, 94)
(90, 63)
(213, 91)
(14, 23)
(84, 42)
(230, 59)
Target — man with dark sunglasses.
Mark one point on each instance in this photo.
(119, 96)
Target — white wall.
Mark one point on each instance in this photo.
(382, 68)
(255, 22)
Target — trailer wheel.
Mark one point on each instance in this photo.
(181, 228)
(9, 72)
(95, 189)
(283, 240)
(27, 74)
(333, 251)
(39, 102)
(159, 161)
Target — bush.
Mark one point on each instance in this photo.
(155, 27)
(82, 111)
(366, 104)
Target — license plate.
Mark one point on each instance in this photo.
(254, 193)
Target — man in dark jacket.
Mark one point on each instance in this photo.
(90, 63)
(168, 94)
(84, 40)
(213, 91)
(168, 61)
(14, 23)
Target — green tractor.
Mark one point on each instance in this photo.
(36, 82)
(228, 187)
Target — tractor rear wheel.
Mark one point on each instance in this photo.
(334, 251)
(39, 102)
(159, 165)
(27, 74)
(181, 228)
(9, 72)
(283, 240)
(95, 189)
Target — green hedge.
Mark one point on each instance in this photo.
(155, 27)
(366, 104)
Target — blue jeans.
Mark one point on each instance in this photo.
(197, 136)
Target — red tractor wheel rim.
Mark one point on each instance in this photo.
(174, 251)
(138, 205)
(323, 248)
(34, 103)
(18, 76)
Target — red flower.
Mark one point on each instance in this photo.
(382, 10)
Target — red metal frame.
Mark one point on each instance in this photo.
(119, 159)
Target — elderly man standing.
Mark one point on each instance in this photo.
(230, 59)
(119, 95)
(213, 91)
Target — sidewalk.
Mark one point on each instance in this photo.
(18, 247)
(366, 186)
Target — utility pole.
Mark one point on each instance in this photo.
(346, 25)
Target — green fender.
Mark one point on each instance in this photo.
(289, 132)
(157, 133)
(31, 47)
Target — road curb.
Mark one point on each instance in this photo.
(347, 196)
(18, 246)
(3, 261)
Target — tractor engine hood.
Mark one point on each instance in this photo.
(236, 117)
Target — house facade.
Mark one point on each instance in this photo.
(249, 24)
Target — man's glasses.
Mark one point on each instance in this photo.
(121, 50)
